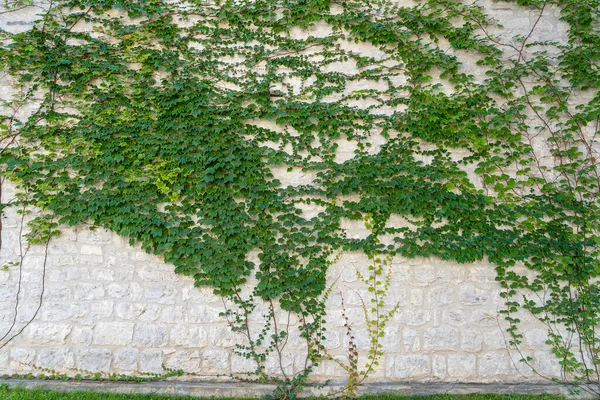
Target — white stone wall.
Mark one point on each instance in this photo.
(110, 307)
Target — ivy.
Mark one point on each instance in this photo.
(170, 122)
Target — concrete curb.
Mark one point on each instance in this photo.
(240, 389)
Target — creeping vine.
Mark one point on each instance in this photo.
(205, 130)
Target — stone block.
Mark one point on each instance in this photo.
(47, 333)
(411, 366)
(94, 360)
(151, 361)
(7, 292)
(471, 340)
(438, 366)
(188, 361)
(5, 367)
(241, 364)
(495, 364)
(462, 366)
(126, 359)
(412, 317)
(161, 294)
(201, 314)
(56, 359)
(81, 336)
(102, 274)
(89, 249)
(151, 336)
(536, 338)
(441, 338)
(89, 291)
(441, 296)
(113, 333)
(216, 359)
(494, 340)
(223, 337)
(174, 315)
(22, 357)
(125, 291)
(188, 336)
(134, 311)
(412, 340)
(472, 296)
(455, 317)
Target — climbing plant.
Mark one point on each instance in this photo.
(180, 125)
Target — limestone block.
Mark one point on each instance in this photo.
(150, 336)
(141, 311)
(99, 311)
(455, 317)
(416, 297)
(441, 338)
(411, 366)
(4, 364)
(215, 359)
(439, 368)
(472, 296)
(412, 317)
(188, 361)
(189, 336)
(546, 364)
(424, 275)
(89, 291)
(7, 292)
(174, 315)
(199, 295)
(203, 314)
(56, 359)
(47, 333)
(161, 294)
(156, 273)
(89, 249)
(126, 359)
(536, 338)
(494, 340)
(151, 361)
(125, 291)
(462, 366)
(94, 360)
(81, 336)
(69, 274)
(84, 259)
(102, 274)
(113, 333)
(223, 337)
(58, 293)
(22, 357)
(95, 237)
(441, 296)
(471, 340)
(392, 338)
(412, 340)
(484, 318)
(493, 364)
(241, 364)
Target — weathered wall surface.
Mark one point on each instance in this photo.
(105, 306)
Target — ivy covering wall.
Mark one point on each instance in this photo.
(170, 123)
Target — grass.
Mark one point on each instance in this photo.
(27, 394)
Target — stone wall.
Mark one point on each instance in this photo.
(94, 303)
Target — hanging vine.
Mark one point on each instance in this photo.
(174, 123)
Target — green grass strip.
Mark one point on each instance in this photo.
(28, 394)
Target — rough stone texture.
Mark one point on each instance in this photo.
(110, 307)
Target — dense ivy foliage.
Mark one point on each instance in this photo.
(171, 123)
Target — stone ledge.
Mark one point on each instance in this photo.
(241, 389)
